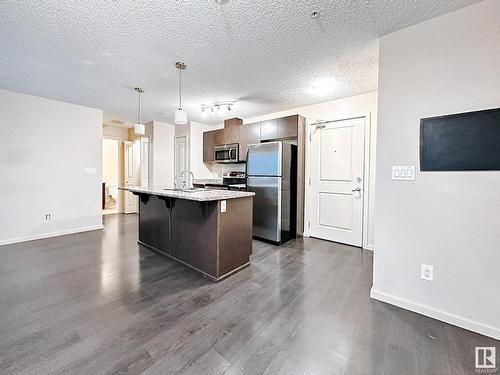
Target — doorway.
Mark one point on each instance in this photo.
(110, 176)
(181, 156)
(135, 170)
(336, 186)
(132, 158)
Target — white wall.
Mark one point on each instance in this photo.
(450, 220)
(45, 148)
(336, 109)
(199, 169)
(162, 154)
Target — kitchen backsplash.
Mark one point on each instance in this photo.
(219, 169)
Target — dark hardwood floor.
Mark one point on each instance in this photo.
(97, 303)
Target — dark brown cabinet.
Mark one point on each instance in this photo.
(269, 130)
(216, 138)
(232, 134)
(208, 146)
(249, 134)
(219, 137)
(287, 127)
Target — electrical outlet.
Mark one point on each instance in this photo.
(427, 272)
(47, 217)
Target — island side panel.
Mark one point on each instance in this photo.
(235, 235)
(154, 222)
(194, 234)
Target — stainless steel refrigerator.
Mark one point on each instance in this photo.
(272, 176)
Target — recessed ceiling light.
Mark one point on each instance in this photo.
(315, 14)
(221, 2)
(322, 87)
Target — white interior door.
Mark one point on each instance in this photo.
(336, 185)
(181, 151)
(132, 176)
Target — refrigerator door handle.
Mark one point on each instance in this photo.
(278, 227)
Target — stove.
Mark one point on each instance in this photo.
(234, 178)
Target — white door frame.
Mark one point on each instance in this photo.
(121, 172)
(366, 170)
(128, 195)
(186, 156)
(144, 175)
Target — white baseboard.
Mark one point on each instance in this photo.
(453, 319)
(52, 234)
(369, 247)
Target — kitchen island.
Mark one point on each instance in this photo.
(210, 231)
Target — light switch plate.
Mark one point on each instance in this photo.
(403, 172)
(89, 171)
(223, 206)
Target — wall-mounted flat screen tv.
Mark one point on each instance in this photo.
(461, 142)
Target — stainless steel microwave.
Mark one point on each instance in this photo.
(227, 153)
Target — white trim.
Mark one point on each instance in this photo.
(52, 234)
(367, 173)
(446, 317)
(114, 138)
(121, 173)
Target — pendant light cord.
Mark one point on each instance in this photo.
(180, 88)
(139, 109)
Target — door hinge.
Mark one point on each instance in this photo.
(309, 223)
(309, 181)
(310, 137)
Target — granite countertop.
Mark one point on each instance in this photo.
(197, 195)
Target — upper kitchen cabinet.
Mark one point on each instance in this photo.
(232, 122)
(231, 134)
(211, 139)
(284, 128)
(249, 134)
(287, 127)
(208, 146)
(219, 137)
(269, 130)
(232, 130)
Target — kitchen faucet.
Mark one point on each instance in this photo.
(186, 184)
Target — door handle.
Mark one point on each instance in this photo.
(357, 189)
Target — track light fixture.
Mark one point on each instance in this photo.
(218, 107)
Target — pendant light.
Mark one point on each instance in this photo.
(180, 114)
(139, 128)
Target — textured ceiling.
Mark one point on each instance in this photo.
(265, 54)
